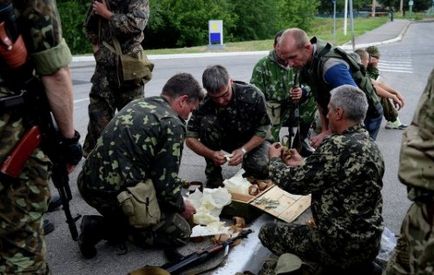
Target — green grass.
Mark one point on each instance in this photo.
(322, 28)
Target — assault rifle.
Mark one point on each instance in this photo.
(33, 105)
(199, 257)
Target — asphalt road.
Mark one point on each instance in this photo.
(405, 65)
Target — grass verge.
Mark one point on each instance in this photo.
(322, 28)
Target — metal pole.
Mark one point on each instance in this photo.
(345, 17)
(353, 41)
(334, 21)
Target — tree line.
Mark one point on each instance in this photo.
(184, 23)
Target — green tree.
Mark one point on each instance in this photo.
(256, 19)
(298, 13)
(184, 23)
(72, 14)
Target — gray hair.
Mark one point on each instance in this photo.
(214, 78)
(352, 100)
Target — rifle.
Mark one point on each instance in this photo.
(202, 256)
(32, 102)
(295, 120)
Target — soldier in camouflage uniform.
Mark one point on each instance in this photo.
(344, 177)
(275, 79)
(124, 20)
(233, 118)
(390, 113)
(414, 252)
(143, 141)
(325, 67)
(23, 201)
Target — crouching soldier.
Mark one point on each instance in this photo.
(131, 175)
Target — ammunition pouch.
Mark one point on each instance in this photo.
(139, 203)
(134, 66)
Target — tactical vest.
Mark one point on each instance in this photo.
(314, 75)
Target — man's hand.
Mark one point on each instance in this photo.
(100, 8)
(237, 157)
(315, 141)
(295, 160)
(275, 150)
(397, 102)
(189, 210)
(218, 157)
(295, 94)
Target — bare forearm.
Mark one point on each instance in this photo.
(199, 148)
(254, 142)
(58, 87)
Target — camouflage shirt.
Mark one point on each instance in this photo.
(272, 78)
(416, 159)
(41, 29)
(144, 140)
(344, 176)
(244, 117)
(127, 24)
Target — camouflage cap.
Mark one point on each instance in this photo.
(373, 51)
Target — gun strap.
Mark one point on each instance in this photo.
(208, 265)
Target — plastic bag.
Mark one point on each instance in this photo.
(388, 243)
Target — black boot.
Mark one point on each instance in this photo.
(92, 228)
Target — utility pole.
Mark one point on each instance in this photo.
(353, 40)
(374, 5)
(401, 7)
(345, 17)
(334, 21)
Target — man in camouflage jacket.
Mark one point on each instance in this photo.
(23, 200)
(275, 79)
(344, 176)
(143, 141)
(414, 250)
(124, 20)
(233, 118)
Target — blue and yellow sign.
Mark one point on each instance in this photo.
(215, 28)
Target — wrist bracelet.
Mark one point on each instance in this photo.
(243, 150)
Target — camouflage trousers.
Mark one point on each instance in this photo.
(308, 244)
(172, 230)
(107, 95)
(22, 205)
(414, 252)
(215, 136)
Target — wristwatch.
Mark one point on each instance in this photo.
(243, 150)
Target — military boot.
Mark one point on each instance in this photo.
(92, 228)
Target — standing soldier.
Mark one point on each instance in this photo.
(275, 79)
(38, 51)
(414, 250)
(111, 24)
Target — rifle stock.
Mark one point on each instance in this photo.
(195, 258)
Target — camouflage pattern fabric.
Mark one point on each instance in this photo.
(24, 201)
(344, 176)
(414, 253)
(144, 140)
(275, 81)
(22, 205)
(109, 92)
(230, 127)
(390, 113)
(373, 72)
